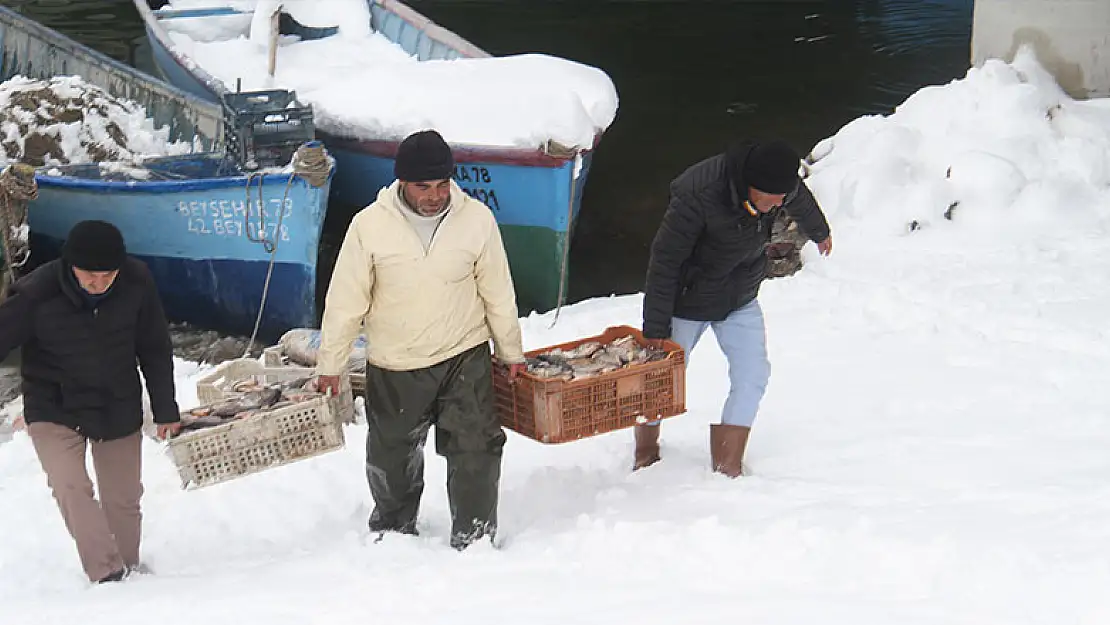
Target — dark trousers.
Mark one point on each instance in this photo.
(401, 406)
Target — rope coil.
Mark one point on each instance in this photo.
(310, 163)
(17, 188)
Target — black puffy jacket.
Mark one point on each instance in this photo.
(709, 254)
(81, 356)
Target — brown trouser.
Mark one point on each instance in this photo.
(106, 532)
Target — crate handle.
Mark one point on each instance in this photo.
(516, 407)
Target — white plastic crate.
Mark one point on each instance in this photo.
(217, 385)
(261, 441)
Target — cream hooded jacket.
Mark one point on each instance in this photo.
(419, 309)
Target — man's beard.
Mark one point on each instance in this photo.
(431, 210)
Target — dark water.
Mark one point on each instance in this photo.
(693, 75)
(690, 75)
(109, 26)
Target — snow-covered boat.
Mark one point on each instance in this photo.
(533, 184)
(210, 231)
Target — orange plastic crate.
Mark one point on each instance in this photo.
(558, 411)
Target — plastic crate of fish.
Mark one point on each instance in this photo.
(232, 378)
(591, 386)
(229, 439)
(264, 128)
(275, 356)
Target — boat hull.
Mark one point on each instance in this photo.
(536, 203)
(203, 241)
(535, 196)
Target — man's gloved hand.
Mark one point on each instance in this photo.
(778, 251)
(328, 385)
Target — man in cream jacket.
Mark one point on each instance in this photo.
(422, 271)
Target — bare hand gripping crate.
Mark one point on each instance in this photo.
(558, 411)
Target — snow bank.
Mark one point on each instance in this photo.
(363, 85)
(1002, 149)
(67, 120)
(931, 449)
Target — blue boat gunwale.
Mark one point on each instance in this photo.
(464, 153)
(69, 176)
(163, 186)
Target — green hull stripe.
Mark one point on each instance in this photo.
(536, 260)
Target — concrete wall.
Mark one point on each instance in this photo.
(1071, 39)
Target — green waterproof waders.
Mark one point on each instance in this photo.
(457, 397)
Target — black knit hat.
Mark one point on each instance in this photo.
(94, 246)
(423, 156)
(772, 167)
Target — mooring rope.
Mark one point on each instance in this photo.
(312, 164)
(17, 187)
(564, 265)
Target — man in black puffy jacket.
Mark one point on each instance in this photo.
(707, 262)
(84, 322)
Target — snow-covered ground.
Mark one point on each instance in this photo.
(932, 447)
(363, 85)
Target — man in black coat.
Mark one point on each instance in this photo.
(84, 322)
(708, 260)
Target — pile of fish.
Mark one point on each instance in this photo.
(592, 358)
(252, 397)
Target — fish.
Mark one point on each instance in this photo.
(590, 369)
(246, 386)
(254, 400)
(253, 384)
(192, 423)
(592, 358)
(549, 368)
(585, 350)
(554, 358)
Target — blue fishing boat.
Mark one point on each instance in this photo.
(223, 245)
(535, 193)
(229, 249)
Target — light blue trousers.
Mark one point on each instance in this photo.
(742, 337)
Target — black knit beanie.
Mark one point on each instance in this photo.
(423, 156)
(772, 167)
(94, 246)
